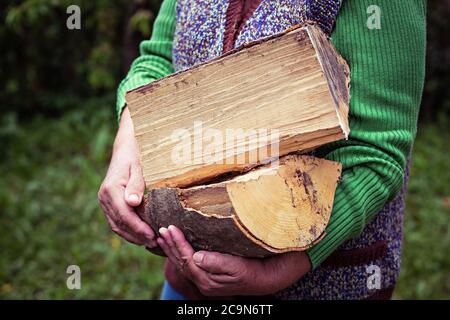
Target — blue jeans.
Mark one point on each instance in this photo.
(169, 293)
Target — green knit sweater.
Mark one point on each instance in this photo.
(387, 67)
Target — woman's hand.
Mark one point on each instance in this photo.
(217, 274)
(123, 188)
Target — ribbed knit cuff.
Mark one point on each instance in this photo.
(144, 70)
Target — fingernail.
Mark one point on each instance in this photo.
(198, 257)
(162, 230)
(133, 197)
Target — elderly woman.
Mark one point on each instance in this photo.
(384, 43)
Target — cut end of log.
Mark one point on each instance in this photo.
(337, 73)
(272, 209)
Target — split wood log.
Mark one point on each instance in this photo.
(272, 209)
(293, 83)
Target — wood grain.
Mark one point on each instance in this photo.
(294, 83)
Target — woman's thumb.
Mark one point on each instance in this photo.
(135, 187)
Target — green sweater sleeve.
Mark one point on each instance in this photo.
(155, 60)
(387, 75)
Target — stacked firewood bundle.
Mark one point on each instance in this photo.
(223, 145)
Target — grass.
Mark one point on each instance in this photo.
(425, 272)
(49, 219)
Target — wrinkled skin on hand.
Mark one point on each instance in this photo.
(123, 188)
(217, 274)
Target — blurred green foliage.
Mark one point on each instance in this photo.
(57, 124)
(425, 272)
(436, 98)
(46, 68)
(50, 217)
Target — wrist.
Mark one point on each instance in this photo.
(125, 133)
(286, 269)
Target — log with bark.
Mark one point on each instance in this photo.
(274, 209)
(294, 83)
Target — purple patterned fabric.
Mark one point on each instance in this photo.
(199, 32)
(201, 25)
(199, 37)
(275, 16)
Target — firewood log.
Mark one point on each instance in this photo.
(256, 196)
(293, 83)
(273, 209)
